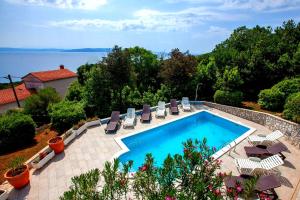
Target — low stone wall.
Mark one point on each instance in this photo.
(265, 119)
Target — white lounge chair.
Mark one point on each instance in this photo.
(161, 109)
(265, 139)
(186, 106)
(130, 118)
(252, 166)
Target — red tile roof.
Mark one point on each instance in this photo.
(7, 95)
(52, 75)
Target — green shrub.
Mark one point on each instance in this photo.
(36, 105)
(288, 86)
(65, 114)
(292, 108)
(16, 130)
(271, 99)
(233, 98)
(194, 174)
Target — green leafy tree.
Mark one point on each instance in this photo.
(230, 80)
(75, 92)
(98, 91)
(146, 66)
(37, 104)
(205, 77)
(83, 72)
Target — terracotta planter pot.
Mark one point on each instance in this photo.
(20, 180)
(57, 144)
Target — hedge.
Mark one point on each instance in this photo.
(232, 98)
(16, 130)
(65, 114)
(274, 98)
(292, 108)
(288, 86)
(271, 99)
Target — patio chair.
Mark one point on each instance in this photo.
(146, 114)
(265, 184)
(253, 165)
(114, 122)
(173, 107)
(266, 151)
(265, 139)
(130, 118)
(161, 109)
(186, 106)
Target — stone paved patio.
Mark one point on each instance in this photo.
(92, 148)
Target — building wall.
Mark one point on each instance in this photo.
(61, 85)
(32, 82)
(8, 106)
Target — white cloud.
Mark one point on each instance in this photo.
(218, 30)
(64, 4)
(257, 5)
(153, 20)
(212, 31)
(260, 5)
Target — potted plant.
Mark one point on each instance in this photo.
(80, 127)
(18, 174)
(3, 194)
(69, 136)
(42, 158)
(92, 122)
(57, 144)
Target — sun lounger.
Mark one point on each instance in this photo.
(186, 106)
(130, 118)
(114, 122)
(265, 184)
(173, 107)
(265, 139)
(146, 114)
(161, 109)
(266, 151)
(254, 165)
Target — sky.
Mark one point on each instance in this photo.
(158, 25)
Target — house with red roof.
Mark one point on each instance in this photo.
(59, 79)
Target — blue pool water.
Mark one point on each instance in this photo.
(168, 138)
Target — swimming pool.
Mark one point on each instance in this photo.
(167, 139)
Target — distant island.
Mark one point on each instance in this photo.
(7, 49)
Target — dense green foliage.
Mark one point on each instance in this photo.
(65, 114)
(263, 56)
(75, 92)
(274, 98)
(271, 99)
(16, 130)
(232, 98)
(191, 175)
(37, 104)
(292, 108)
(250, 60)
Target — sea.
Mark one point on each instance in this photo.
(18, 64)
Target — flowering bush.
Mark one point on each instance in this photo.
(190, 176)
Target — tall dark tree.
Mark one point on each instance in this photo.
(177, 72)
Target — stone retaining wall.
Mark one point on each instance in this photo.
(265, 119)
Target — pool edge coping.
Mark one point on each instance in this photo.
(216, 155)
